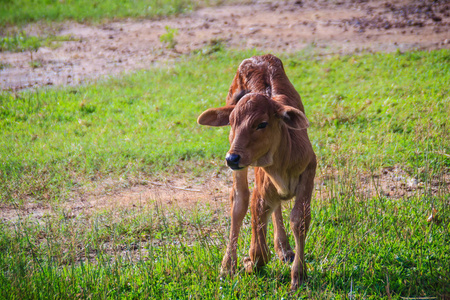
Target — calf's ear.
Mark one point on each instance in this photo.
(216, 116)
(293, 118)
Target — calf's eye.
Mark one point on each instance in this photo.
(262, 125)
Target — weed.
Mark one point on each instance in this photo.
(22, 42)
(168, 38)
(35, 64)
(19, 43)
(215, 45)
(4, 65)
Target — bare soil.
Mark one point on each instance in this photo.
(172, 193)
(212, 190)
(324, 27)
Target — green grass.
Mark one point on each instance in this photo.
(356, 246)
(19, 12)
(366, 112)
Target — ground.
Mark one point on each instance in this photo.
(325, 27)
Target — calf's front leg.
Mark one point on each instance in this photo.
(239, 205)
(259, 251)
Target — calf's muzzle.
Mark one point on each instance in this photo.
(233, 161)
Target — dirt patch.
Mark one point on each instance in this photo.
(174, 193)
(323, 27)
(213, 191)
(390, 182)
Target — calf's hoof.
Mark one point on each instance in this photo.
(249, 266)
(288, 256)
(297, 280)
(228, 266)
(226, 272)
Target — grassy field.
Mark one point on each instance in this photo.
(20, 12)
(367, 112)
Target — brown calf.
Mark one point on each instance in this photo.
(268, 131)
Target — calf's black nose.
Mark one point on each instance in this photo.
(233, 161)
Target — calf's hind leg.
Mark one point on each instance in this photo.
(300, 220)
(281, 240)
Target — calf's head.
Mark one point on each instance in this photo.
(258, 124)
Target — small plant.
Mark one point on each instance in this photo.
(22, 42)
(4, 65)
(168, 38)
(35, 64)
(19, 43)
(214, 45)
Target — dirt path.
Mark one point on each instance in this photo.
(321, 27)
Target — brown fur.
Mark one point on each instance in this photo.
(268, 131)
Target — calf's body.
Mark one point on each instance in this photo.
(268, 132)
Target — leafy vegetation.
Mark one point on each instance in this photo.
(168, 38)
(367, 112)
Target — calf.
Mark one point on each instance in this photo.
(268, 132)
